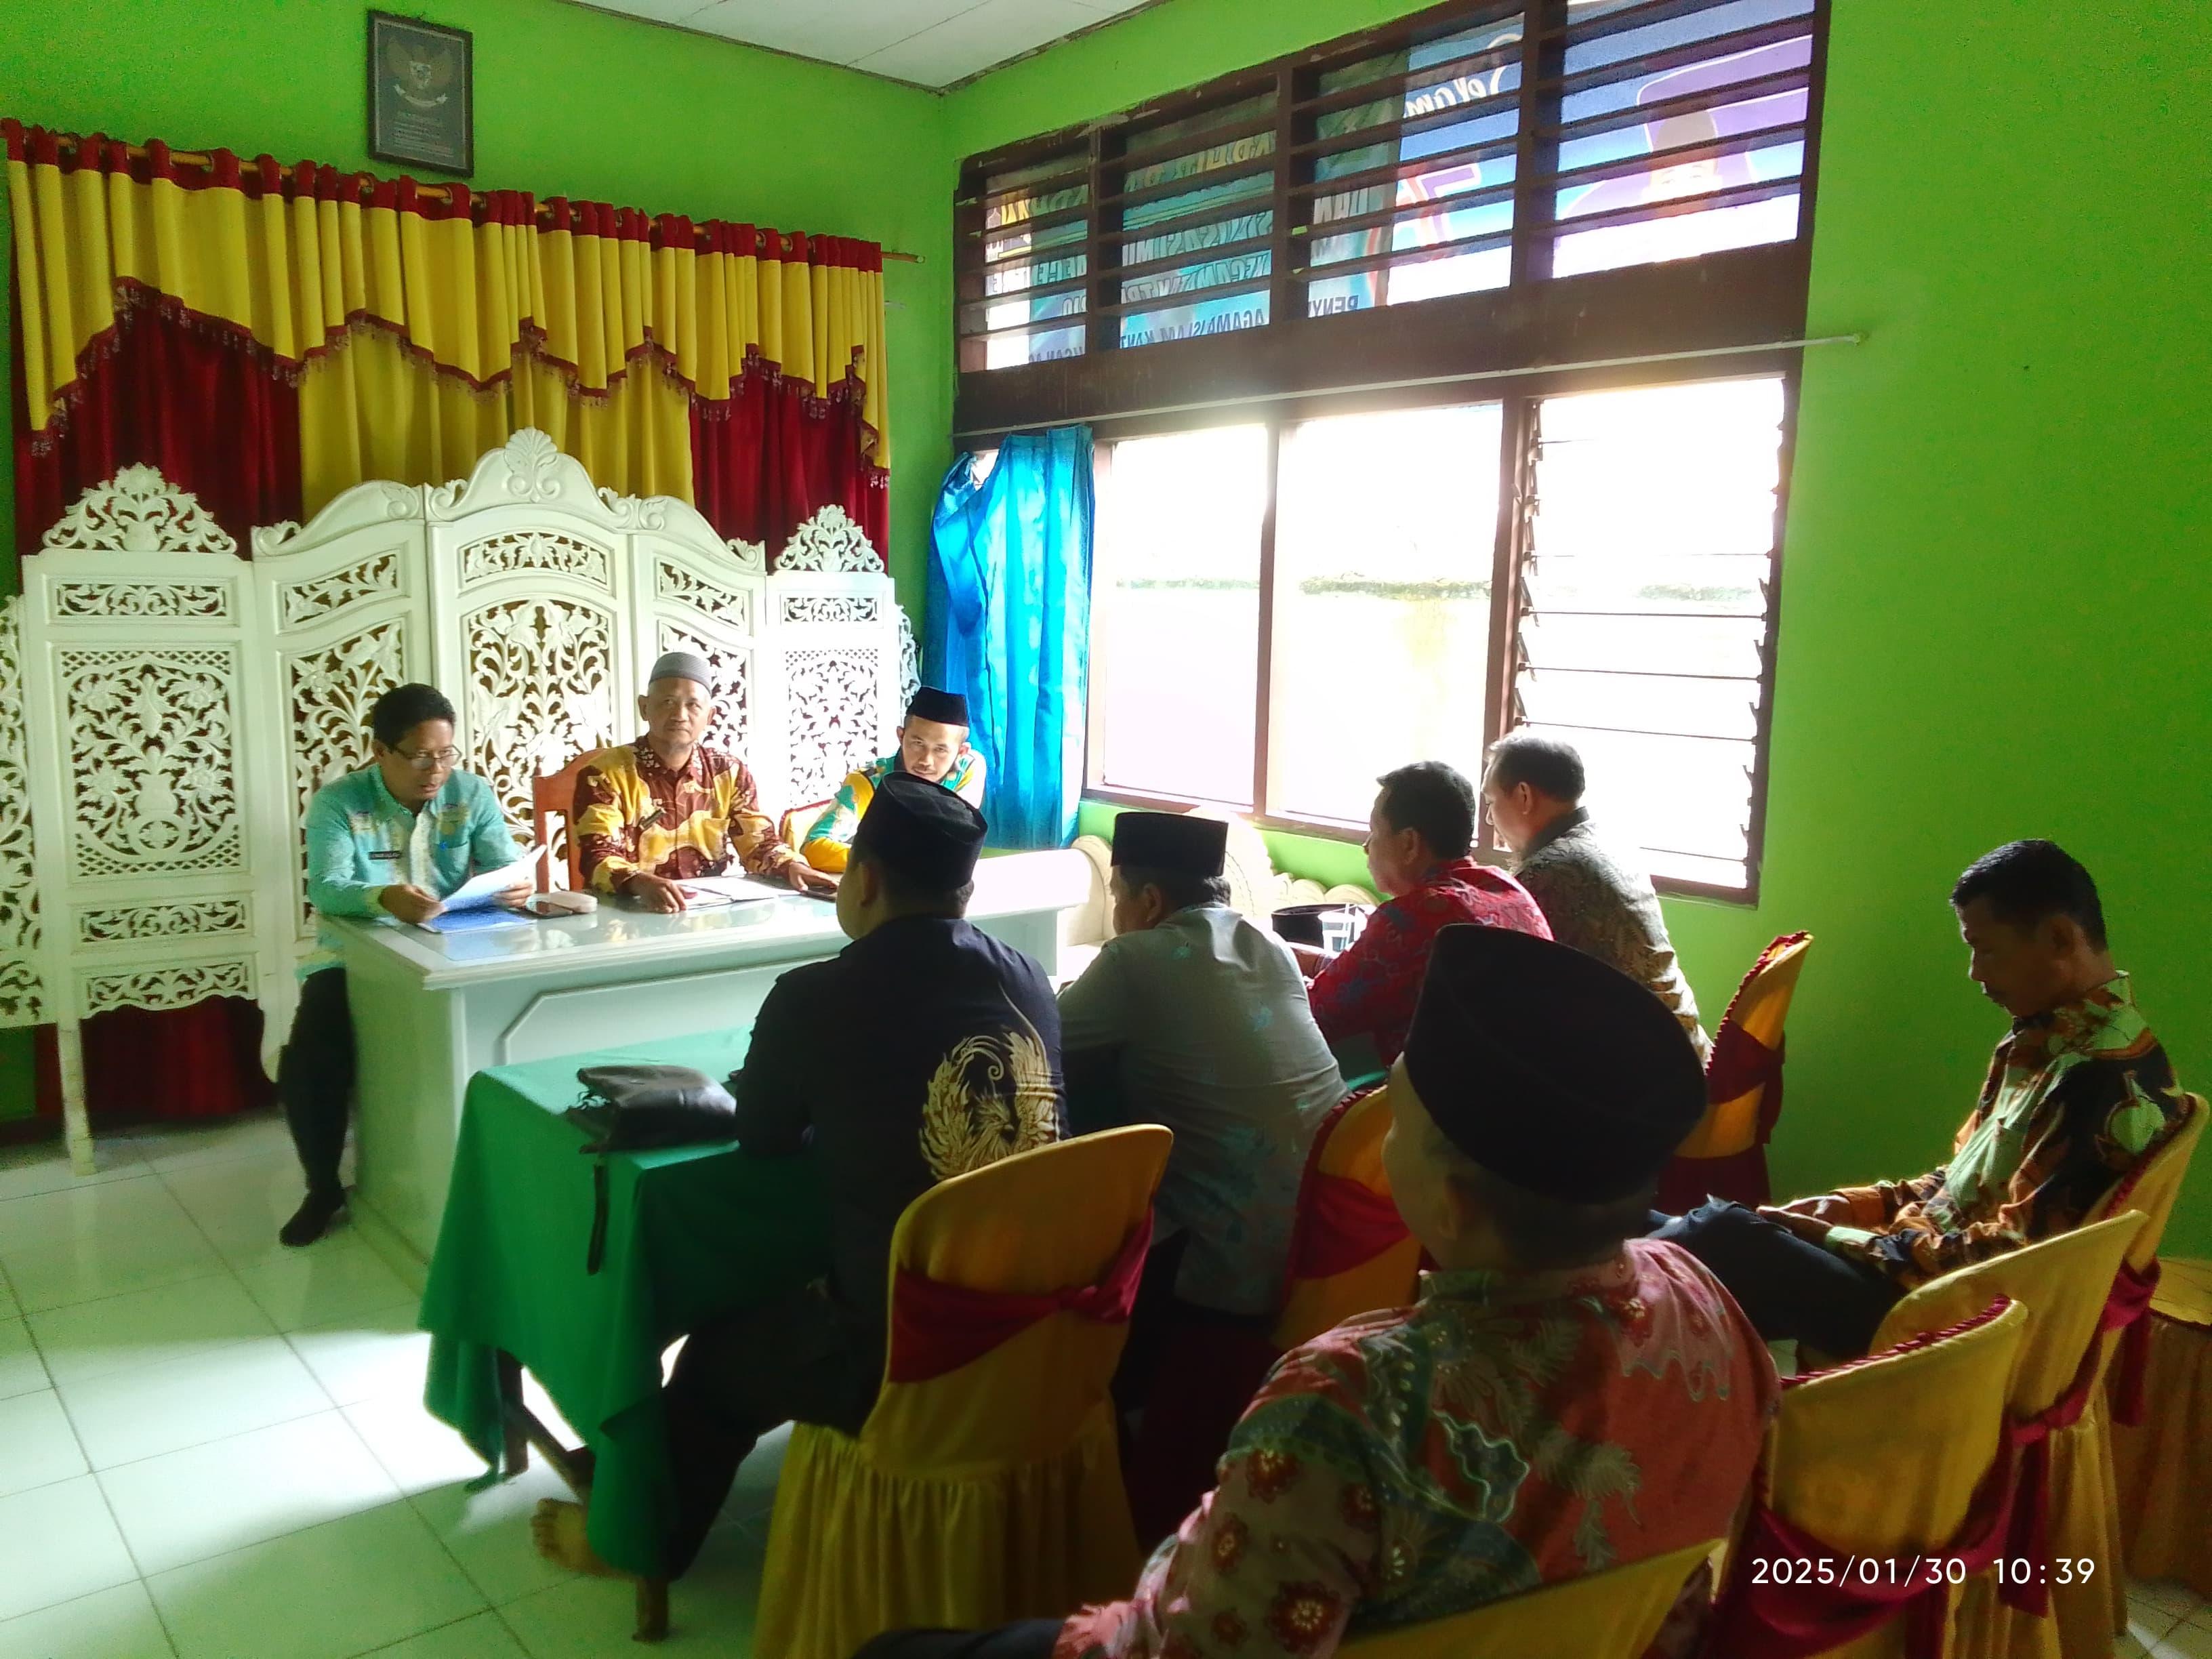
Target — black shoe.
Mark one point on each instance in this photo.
(312, 1219)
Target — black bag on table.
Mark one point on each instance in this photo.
(629, 1108)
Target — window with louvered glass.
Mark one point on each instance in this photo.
(1644, 624)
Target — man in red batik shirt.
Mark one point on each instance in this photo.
(1418, 840)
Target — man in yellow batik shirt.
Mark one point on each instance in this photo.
(652, 814)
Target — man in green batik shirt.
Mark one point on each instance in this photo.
(2079, 1093)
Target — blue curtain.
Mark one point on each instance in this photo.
(1008, 625)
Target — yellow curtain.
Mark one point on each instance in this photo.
(430, 329)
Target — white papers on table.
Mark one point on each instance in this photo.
(731, 890)
(477, 891)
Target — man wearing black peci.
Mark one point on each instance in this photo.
(923, 1050)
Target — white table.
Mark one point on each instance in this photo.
(431, 1009)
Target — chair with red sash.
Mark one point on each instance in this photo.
(1876, 1476)
(2123, 1405)
(1725, 1156)
(1350, 1255)
(2163, 1469)
(1614, 1614)
(985, 1485)
(2072, 1287)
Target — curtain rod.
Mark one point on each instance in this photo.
(436, 193)
(1420, 380)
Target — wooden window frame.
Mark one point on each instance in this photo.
(1731, 315)
(1510, 544)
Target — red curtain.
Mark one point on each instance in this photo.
(773, 454)
(194, 398)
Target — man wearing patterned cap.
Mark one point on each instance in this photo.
(651, 814)
(933, 746)
(924, 1049)
(1563, 1397)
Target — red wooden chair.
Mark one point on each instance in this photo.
(554, 794)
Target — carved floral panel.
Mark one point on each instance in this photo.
(830, 608)
(331, 690)
(835, 724)
(137, 511)
(374, 577)
(541, 691)
(21, 1003)
(909, 659)
(521, 552)
(732, 608)
(831, 543)
(182, 601)
(166, 988)
(114, 924)
(152, 753)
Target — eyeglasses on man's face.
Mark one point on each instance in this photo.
(430, 760)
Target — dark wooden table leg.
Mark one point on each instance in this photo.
(513, 1416)
(652, 1610)
(520, 1430)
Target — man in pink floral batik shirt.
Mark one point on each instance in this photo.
(1561, 1399)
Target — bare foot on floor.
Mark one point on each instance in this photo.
(557, 1531)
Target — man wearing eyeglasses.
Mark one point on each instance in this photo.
(391, 839)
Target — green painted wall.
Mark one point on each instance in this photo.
(568, 101)
(1994, 598)
(1994, 604)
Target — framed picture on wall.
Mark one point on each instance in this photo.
(421, 95)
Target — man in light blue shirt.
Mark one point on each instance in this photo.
(391, 839)
(1206, 1016)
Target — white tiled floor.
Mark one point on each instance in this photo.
(214, 1448)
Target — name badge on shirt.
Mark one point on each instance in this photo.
(389, 857)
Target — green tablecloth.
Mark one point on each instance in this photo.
(691, 1232)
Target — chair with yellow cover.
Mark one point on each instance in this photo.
(2120, 1407)
(1884, 1461)
(1614, 1614)
(2163, 1469)
(1725, 1156)
(2066, 1282)
(985, 1484)
(1350, 1253)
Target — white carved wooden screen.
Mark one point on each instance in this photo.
(168, 709)
(350, 615)
(151, 804)
(835, 624)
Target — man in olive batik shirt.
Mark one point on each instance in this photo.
(1594, 898)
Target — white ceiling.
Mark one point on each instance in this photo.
(931, 43)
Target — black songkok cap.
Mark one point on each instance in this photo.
(1549, 1068)
(1171, 841)
(946, 707)
(922, 831)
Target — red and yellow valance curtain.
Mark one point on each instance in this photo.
(269, 335)
(394, 331)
